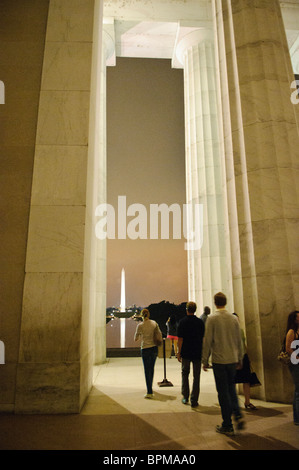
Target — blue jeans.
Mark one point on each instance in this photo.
(225, 384)
(149, 356)
(196, 366)
(294, 369)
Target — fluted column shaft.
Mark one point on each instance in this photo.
(261, 157)
(207, 266)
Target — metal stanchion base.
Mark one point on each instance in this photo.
(165, 383)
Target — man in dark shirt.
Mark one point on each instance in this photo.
(190, 334)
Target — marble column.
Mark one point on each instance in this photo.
(262, 162)
(107, 45)
(21, 51)
(55, 348)
(207, 273)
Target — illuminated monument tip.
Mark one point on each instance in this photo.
(123, 292)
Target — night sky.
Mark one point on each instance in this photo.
(146, 163)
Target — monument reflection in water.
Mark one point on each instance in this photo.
(120, 332)
(123, 309)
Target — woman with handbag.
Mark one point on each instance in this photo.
(292, 334)
(245, 376)
(149, 333)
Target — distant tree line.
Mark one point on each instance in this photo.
(161, 312)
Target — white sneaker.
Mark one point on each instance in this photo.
(149, 395)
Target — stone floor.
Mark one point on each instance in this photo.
(116, 416)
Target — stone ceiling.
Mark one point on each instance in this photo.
(151, 28)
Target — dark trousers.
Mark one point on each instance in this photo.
(196, 367)
(225, 384)
(149, 356)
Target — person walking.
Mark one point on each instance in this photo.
(204, 317)
(223, 341)
(171, 326)
(190, 334)
(145, 332)
(205, 314)
(291, 345)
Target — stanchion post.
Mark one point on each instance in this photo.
(165, 382)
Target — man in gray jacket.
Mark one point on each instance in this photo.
(223, 341)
